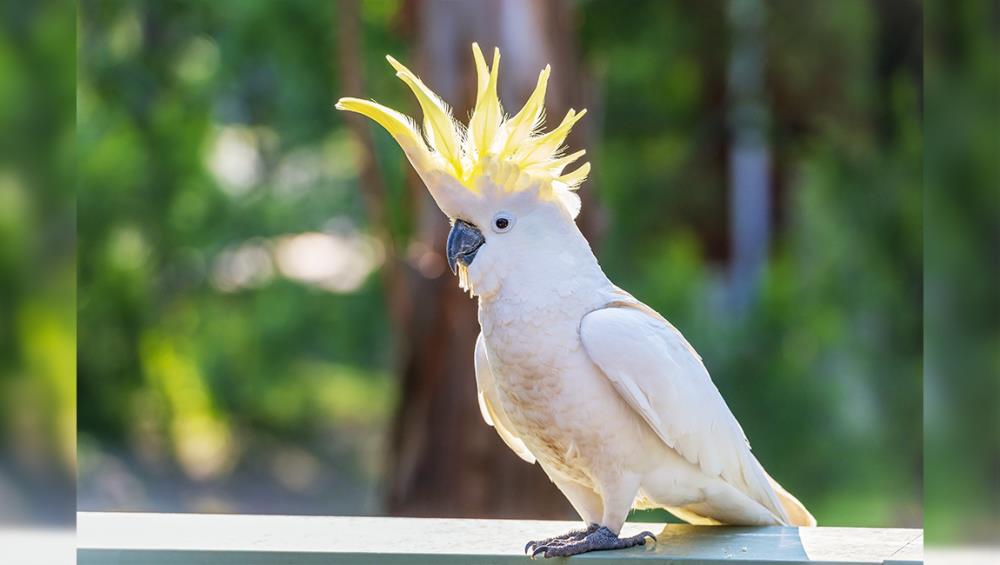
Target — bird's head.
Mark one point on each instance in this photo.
(500, 180)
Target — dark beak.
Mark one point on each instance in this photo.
(464, 241)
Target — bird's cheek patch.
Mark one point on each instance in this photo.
(483, 273)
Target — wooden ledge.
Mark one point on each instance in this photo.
(127, 538)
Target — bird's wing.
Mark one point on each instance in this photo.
(662, 378)
(490, 406)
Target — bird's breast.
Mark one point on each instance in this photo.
(546, 383)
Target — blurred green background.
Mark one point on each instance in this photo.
(37, 264)
(237, 350)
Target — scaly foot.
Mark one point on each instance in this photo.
(573, 535)
(597, 540)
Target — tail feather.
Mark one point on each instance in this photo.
(797, 513)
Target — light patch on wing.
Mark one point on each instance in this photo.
(485, 410)
(492, 411)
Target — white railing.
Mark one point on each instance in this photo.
(128, 538)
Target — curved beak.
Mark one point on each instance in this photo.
(464, 241)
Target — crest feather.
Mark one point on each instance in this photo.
(487, 115)
(400, 126)
(547, 146)
(439, 126)
(573, 180)
(529, 119)
(512, 154)
(556, 166)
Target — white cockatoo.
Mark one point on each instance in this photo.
(573, 372)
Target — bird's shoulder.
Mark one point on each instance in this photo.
(644, 316)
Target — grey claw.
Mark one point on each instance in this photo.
(541, 549)
(649, 534)
(529, 546)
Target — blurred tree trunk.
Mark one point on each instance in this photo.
(749, 153)
(444, 460)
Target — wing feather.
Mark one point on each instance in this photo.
(491, 408)
(661, 377)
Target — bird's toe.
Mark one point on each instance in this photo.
(599, 539)
(540, 550)
(574, 535)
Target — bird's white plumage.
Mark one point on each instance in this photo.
(601, 391)
(491, 409)
(661, 377)
(573, 373)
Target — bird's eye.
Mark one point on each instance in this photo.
(502, 222)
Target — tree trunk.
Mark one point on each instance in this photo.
(444, 459)
(749, 153)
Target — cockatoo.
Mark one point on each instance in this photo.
(573, 372)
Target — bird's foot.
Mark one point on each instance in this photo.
(596, 540)
(571, 536)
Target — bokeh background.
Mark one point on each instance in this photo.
(256, 287)
(266, 322)
(37, 272)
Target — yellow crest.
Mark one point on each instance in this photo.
(512, 152)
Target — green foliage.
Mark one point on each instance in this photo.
(37, 263)
(208, 143)
(962, 331)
